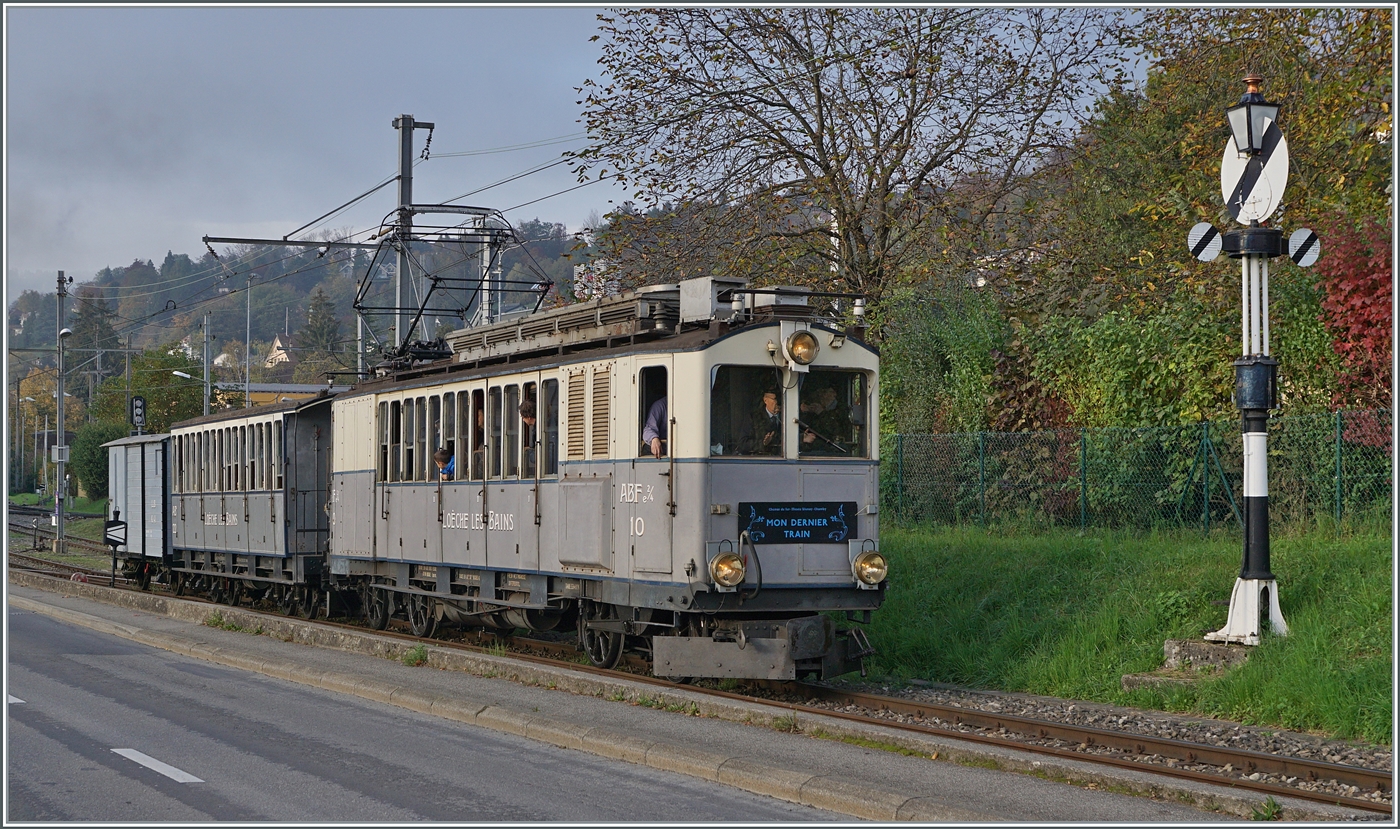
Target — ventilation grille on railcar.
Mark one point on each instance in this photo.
(577, 425)
(602, 393)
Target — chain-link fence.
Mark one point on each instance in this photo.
(1336, 465)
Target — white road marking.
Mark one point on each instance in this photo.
(13, 699)
(155, 765)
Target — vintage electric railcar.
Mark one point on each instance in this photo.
(722, 553)
(727, 547)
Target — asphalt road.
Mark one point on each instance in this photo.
(101, 729)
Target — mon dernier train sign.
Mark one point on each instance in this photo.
(794, 523)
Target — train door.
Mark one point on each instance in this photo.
(649, 496)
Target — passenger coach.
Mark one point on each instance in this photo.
(688, 469)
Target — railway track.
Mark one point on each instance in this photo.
(1181, 759)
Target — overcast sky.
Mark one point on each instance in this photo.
(133, 131)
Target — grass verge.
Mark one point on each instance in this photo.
(1067, 615)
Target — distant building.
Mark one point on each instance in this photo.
(281, 352)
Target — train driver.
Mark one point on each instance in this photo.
(527, 419)
(446, 464)
(654, 431)
(764, 432)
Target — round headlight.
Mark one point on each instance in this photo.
(802, 347)
(871, 567)
(727, 569)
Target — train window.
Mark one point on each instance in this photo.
(383, 441)
(549, 409)
(410, 416)
(255, 455)
(277, 454)
(529, 433)
(449, 426)
(831, 414)
(511, 426)
(602, 396)
(493, 418)
(746, 411)
(267, 456)
(220, 446)
(423, 456)
(245, 458)
(652, 412)
(478, 435)
(577, 426)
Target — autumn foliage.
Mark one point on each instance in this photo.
(1355, 280)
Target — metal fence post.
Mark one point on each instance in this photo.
(899, 466)
(1083, 478)
(1337, 468)
(982, 477)
(1205, 476)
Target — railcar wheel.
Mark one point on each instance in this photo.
(378, 605)
(422, 615)
(179, 583)
(308, 601)
(604, 647)
(232, 592)
(286, 599)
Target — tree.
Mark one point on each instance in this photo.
(837, 136)
(92, 329)
(169, 399)
(89, 459)
(1356, 282)
(322, 330)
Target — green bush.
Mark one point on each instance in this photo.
(89, 460)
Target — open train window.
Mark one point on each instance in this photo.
(478, 435)
(277, 455)
(493, 418)
(422, 458)
(831, 414)
(449, 429)
(383, 470)
(746, 416)
(549, 411)
(511, 424)
(395, 439)
(653, 413)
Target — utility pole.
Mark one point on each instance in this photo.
(128, 372)
(60, 450)
(405, 125)
(204, 326)
(248, 345)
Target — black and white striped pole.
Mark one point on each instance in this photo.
(1253, 174)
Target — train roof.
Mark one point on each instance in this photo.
(682, 316)
(324, 396)
(137, 439)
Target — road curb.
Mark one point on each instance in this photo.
(827, 794)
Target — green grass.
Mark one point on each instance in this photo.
(1067, 615)
(29, 499)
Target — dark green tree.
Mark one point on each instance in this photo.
(321, 334)
(89, 459)
(169, 399)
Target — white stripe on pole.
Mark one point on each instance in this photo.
(1264, 306)
(1244, 305)
(155, 765)
(1256, 465)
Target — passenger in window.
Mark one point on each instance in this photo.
(763, 434)
(654, 430)
(446, 464)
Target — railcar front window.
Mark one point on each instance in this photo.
(396, 439)
(832, 414)
(529, 433)
(478, 433)
(746, 416)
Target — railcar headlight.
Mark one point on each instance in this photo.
(802, 347)
(870, 567)
(727, 569)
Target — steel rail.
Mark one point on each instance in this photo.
(1244, 759)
